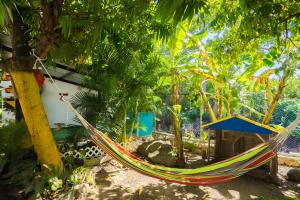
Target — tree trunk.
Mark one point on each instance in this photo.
(266, 120)
(268, 93)
(207, 105)
(133, 117)
(228, 102)
(138, 124)
(275, 100)
(220, 103)
(35, 117)
(176, 122)
(28, 94)
(123, 139)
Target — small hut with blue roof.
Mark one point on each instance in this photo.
(237, 134)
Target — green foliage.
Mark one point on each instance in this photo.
(280, 198)
(14, 139)
(75, 135)
(180, 10)
(190, 146)
(55, 183)
(285, 113)
(81, 175)
(292, 89)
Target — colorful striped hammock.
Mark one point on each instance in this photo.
(212, 174)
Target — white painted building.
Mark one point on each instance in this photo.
(57, 112)
(67, 79)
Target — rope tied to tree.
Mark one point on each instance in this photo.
(40, 61)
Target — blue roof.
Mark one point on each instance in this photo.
(241, 124)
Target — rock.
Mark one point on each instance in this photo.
(91, 162)
(288, 161)
(158, 152)
(294, 175)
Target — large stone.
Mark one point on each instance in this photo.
(158, 152)
(288, 161)
(294, 175)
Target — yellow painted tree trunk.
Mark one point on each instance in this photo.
(35, 117)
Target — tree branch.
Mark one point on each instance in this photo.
(50, 29)
(291, 16)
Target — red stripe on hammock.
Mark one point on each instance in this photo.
(195, 181)
(260, 160)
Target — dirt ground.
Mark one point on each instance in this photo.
(115, 182)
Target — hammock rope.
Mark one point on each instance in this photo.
(211, 174)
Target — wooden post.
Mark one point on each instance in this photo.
(218, 145)
(208, 151)
(274, 168)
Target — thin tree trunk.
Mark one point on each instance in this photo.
(268, 93)
(204, 54)
(275, 100)
(207, 105)
(228, 102)
(138, 124)
(266, 120)
(124, 128)
(220, 103)
(176, 121)
(133, 117)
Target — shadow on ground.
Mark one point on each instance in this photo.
(127, 184)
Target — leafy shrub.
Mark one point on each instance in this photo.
(14, 139)
(285, 113)
(190, 146)
(80, 175)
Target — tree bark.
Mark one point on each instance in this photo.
(266, 120)
(228, 102)
(207, 105)
(176, 121)
(35, 117)
(275, 100)
(124, 134)
(220, 103)
(268, 93)
(133, 117)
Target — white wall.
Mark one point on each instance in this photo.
(57, 111)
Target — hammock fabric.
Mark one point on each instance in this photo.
(212, 174)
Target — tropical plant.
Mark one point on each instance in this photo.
(15, 139)
(54, 28)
